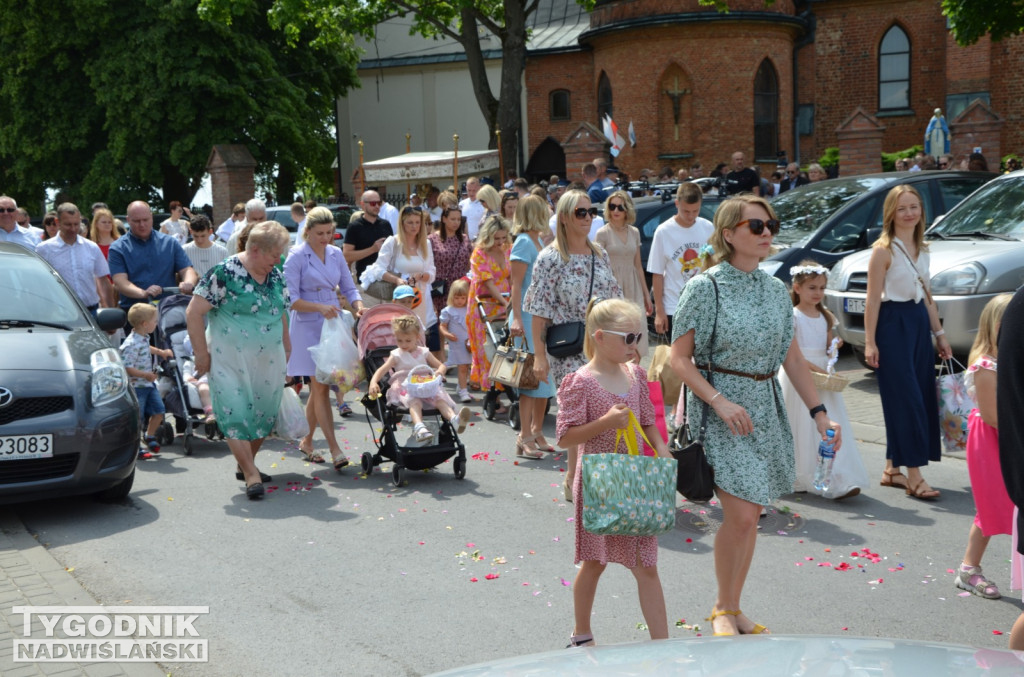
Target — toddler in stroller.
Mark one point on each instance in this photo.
(413, 383)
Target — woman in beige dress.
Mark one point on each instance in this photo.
(621, 240)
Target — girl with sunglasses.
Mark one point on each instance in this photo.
(593, 402)
(620, 238)
(566, 275)
(748, 440)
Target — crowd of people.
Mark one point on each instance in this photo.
(564, 260)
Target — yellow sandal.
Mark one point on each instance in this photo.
(715, 614)
(756, 630)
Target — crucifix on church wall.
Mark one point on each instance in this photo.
(676, 95)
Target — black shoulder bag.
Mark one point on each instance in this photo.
(566, 339)
(696, 480)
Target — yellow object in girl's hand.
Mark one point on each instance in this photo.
(421, 378)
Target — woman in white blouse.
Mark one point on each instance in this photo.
(900, 319)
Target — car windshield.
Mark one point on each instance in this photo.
(29, 291)
(995, 209)
(803, 210)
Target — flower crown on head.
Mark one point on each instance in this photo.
(808, 270)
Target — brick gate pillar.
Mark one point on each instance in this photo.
(860, 144)
(977, 127)
(232, 178)
(585, 143)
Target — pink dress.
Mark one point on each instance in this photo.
(581, 399)
(405, 361)
(993, 505)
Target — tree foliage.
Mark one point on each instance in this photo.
(970, 20)
(108, 100)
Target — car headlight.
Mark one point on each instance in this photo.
(961, 280)
(834, 281)
(770, 266)
(109, 379)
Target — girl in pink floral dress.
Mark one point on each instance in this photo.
(594, 402)
(994, 510)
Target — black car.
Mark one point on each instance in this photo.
(69, 421)
(831, 219)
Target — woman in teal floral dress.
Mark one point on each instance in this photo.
(246, 346)
(748, 442)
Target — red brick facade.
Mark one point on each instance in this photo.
(825, 56)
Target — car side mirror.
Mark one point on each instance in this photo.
(873, 234)
(110, 319)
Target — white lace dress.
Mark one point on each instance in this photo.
(848, 471)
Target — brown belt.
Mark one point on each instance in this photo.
(721, 370)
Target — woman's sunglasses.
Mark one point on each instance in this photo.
(616, 207)
(581, 212)
(629, 338)
(757, 226)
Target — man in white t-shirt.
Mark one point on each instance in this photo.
(472, 209)
(674, 257)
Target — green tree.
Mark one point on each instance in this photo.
(113, 100)
(970, 20)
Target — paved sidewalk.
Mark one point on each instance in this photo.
(30, 576)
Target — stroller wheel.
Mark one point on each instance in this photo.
(188, 444)
(490, 406)
(367, 462)
(459, 465)
(398, 475)
(165, 434)
(513, 415)
(179, 425)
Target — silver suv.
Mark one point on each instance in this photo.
(977, 252)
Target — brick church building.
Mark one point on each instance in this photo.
(791, 79)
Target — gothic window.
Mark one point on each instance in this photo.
(894, 70)
(604, 97)
(766, 112)
(558, 102)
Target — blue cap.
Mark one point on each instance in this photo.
(402, 291)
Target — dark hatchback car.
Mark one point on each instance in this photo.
(831, 219)
(69, 422)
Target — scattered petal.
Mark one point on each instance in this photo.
(997, 632)
(491, 577)
(565, 582)
(474, 579)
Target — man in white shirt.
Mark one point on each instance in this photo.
(10, 231)
(675, 250)
(24, 219)
(78, 261)
(237, 219)
(472, 210)
(202, 251)
(389, 213)
(298, 212)
(433, 208)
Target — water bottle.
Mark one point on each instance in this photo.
(826, 457)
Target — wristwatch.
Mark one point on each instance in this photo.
(815, 410)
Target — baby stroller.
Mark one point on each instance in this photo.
(495, 333)
(181, 399)
(376, 341)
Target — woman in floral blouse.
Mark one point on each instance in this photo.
(452, 250)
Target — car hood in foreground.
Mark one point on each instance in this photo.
(46, 349)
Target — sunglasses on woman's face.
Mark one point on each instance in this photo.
(629, 339)
(616, 207)
(581, 212)
(757, 226)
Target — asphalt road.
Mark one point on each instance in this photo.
(349, 575)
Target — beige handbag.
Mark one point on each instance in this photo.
(513, 367)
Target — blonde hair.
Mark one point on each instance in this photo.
(94, 232)
(610, 314)
(987, 340)
(421, 234)
(315, 217)
(489, 196)
(405, 324)
(728, 216)
(488, 229)
(140, 313)
(531, 216)
(447, 200)
(802, 277)
(627, 201)
(889, 218)
(563, 212)
(460, 286)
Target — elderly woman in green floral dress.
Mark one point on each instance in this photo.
(748, 443)
(246, 345)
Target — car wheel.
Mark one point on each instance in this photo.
(119, 491)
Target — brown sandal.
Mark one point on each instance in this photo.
(922, 491)
(889, 477)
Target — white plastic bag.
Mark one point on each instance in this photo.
(291, 417)
(336, 356)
